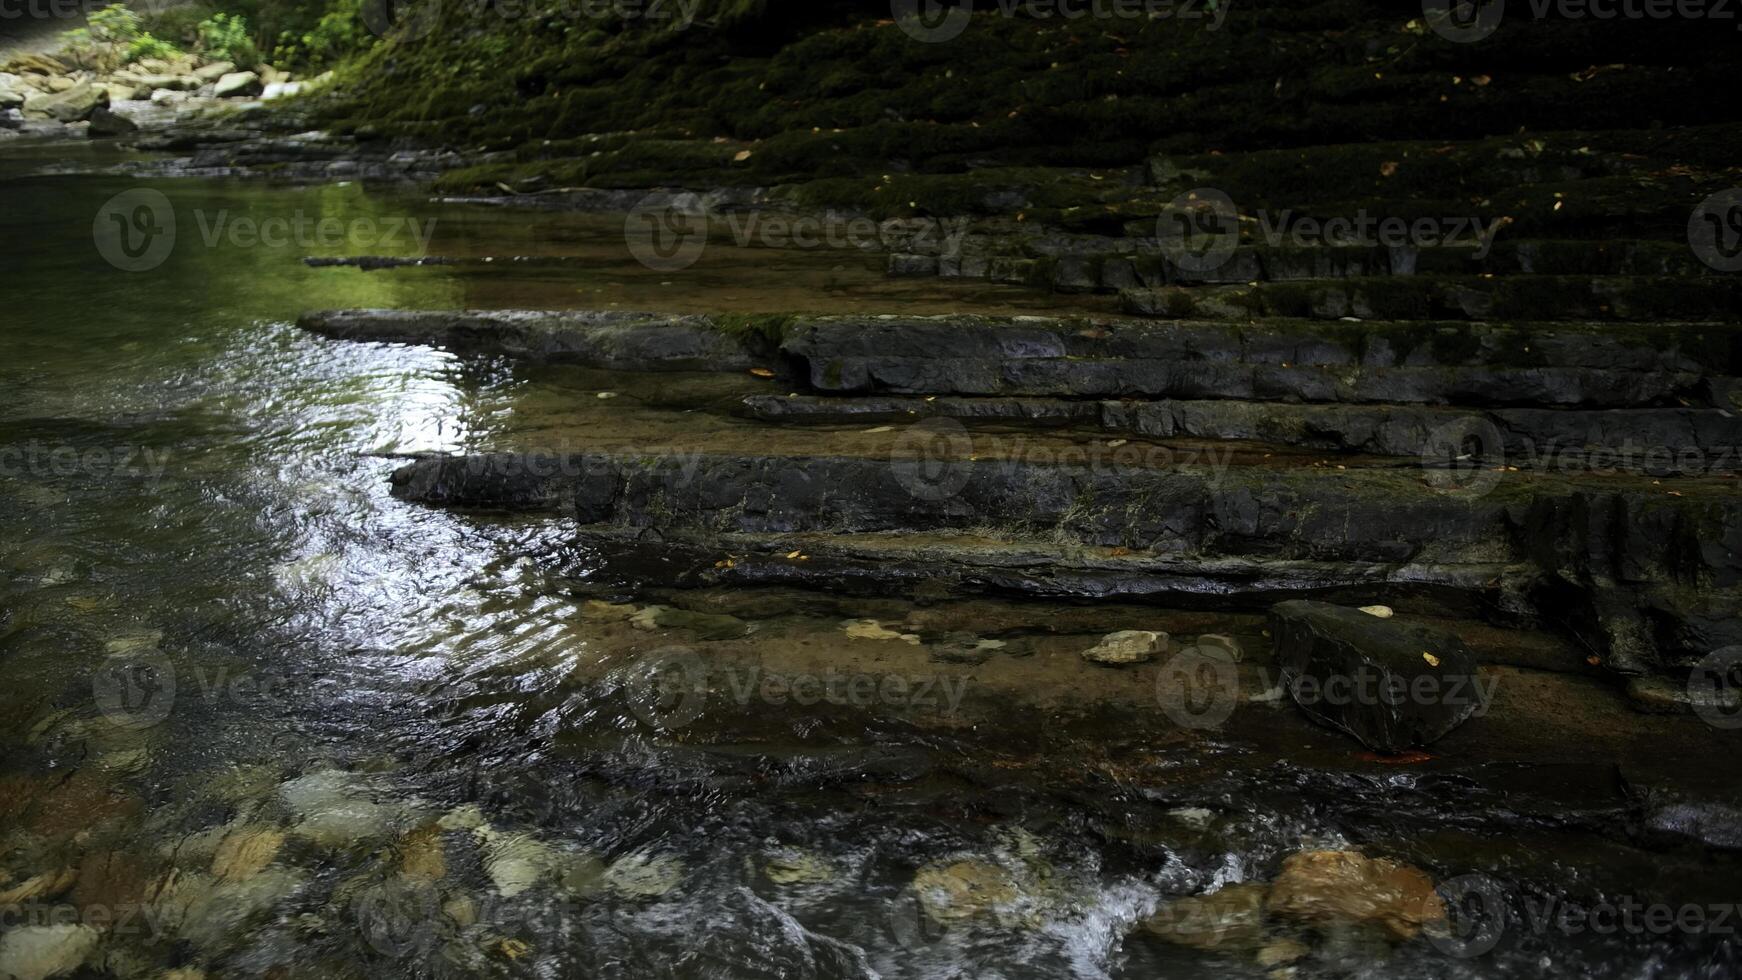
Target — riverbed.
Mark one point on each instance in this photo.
(260, 717)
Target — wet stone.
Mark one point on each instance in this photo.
(1392, 687)
(1229, 919)
(1345, 888)
(1127, 647)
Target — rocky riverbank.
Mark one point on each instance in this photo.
(44, 96)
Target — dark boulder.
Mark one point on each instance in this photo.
(1392, 686)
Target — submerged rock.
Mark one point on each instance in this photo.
(1342, 888)
(793, 866)
(336, 808)
(516, 862)
(955, 890)
(708, 626)
(38, 952)
(871, 629)
(966, 648)
(1230, 919)
(643, 875)
(246, 852)
(1127, 647)
(1392, 687)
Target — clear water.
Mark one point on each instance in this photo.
(259, 718)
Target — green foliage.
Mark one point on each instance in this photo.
(145, 46)
(225, 37)
(115, 24)
(115, 35)
(338, 34)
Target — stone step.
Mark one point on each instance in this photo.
(1106, 264)
(1538, 298)
(1537, 364)
(1433, 363)
(1656, 441)
(1648, 574)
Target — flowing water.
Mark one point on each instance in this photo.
(260, 718)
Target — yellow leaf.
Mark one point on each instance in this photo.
(741, 156)
(794, 554)
(1432, 661)
(762, 372)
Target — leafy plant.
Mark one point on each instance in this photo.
(145, 46)
(114, 36)
(225, 36)
(337, 35)
(115, 24)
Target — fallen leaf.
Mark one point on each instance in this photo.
(762, 372)
(793, 554)
(1432, 661)
(741, 156)
(1388, 168)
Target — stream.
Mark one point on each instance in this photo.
(261, 718)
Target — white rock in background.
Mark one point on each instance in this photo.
(1127, 647)
(238, 83)
(214, 71)
(280, 90)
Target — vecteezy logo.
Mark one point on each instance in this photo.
(908, 923)
(1715, 230)
(1464, 456)
(1476, 914)
(1199, 230)
(666, 688)
(932, 21)
(135, 692)
(135, 230)
(1715, 688)
(1198, 687)
(407, 20)
(1463, 21)
(667, 233)
(396, 921)
(930, 459)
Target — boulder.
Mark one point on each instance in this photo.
(1228, 920)
(1127, 647)
(59, 83)
(11, 119)
(74, 104)
(11, 99)
(1345, 888)
(214, 71)
(175, 83)
(38, 64)
(124, 91)
(1391, 686)
(107, 122)
(237, 84)
(279, 90)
